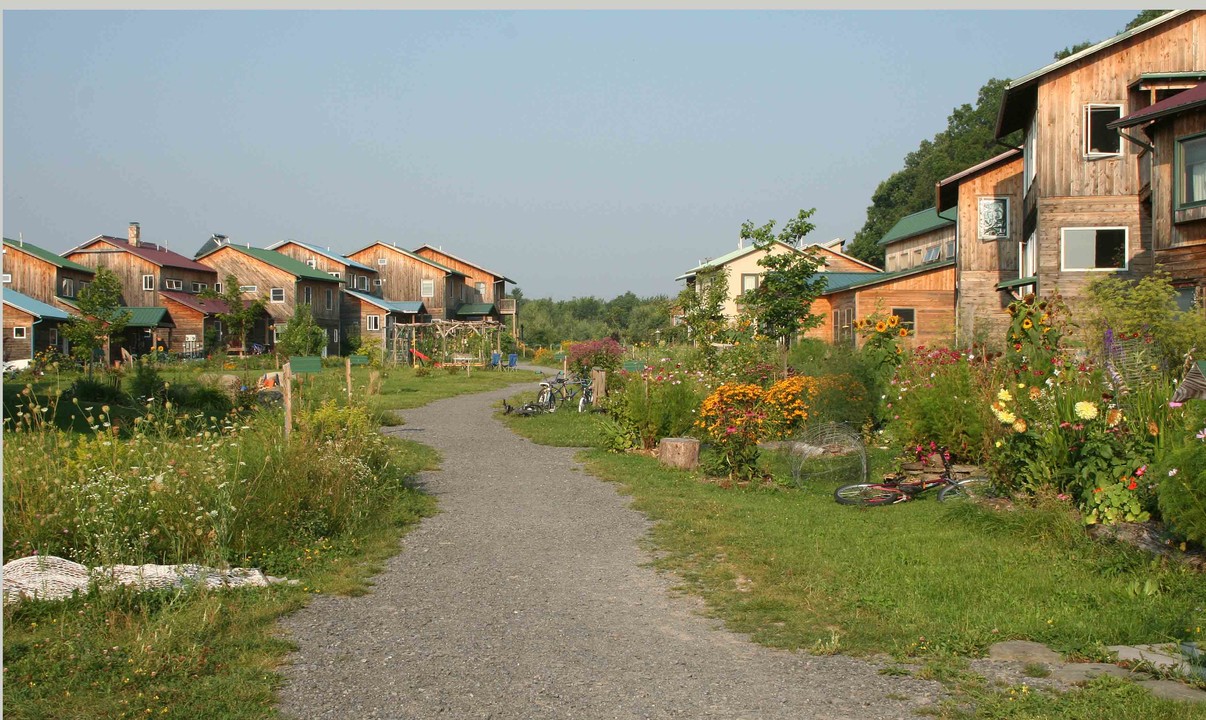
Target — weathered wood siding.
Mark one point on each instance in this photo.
(1180, 246)
(1102, 78)
(39, 279)
(494, 289)
(189, 321)
(837, 262)
(402, 278)
(18, 348)
(931, 295)
(130, 269)
(824, 331)
(908, 253)
(327, 265)
(984, 264)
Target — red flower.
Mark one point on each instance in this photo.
(1097, 490)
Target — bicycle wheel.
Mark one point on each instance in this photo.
(976, 488)
(545, 398)
(868, 494)
(584, 401)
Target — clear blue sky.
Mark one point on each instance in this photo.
(580, 153)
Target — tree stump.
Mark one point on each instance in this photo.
(680, 453)
(374, 385)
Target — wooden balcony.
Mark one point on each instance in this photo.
(506, 306)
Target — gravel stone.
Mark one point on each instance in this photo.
(530, 595)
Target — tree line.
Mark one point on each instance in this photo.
(627, 318)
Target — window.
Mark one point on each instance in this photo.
(277, 295)
(330, 299)
(148, 282)
(276, 334)
(308, 294)
(7, 278)
(993, 218)
(378, 282)
(312, 262)
(19, 332)
(931, 254)
(374, 322)
(1029, 150)
(335, 336)
(481, 290)
(363, 280)
(950, 250)
(53, 336)
(908, 317)
(1093, 248)
(200, 287)
(915, 258)
(333, 274)
(218, 287)
(83, 285)
(382, 261)
(1027, 260)
(749, 282)
(1187, 297)
(427, 288)
(173, 284)
(1191, 171)
(68, 287)
(1101, 141)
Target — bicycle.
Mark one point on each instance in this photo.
(562, 390)
(895, 488)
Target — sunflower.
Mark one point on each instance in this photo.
(904, 332)
(893, 320)
(1045, 319)
(1026, 324)
(881, 326)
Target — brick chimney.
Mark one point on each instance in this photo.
(135, 232)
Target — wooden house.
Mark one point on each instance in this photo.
(284, 283)
(918, 239)
(1082, 182)
(391, 322)
(144, 269)
(30, 326)
(356, 276)
(41, 274)
(1174, 133)
(403, 276)
(923, 298)
(147, 329)
(487, 286)
(193, 317)
(990, 272)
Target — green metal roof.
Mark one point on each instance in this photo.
(915, 224)
(877, 278)
(476, 309)
(283, 262)
(149, 317)
(410, 307)
(44, 254)
(835, 281)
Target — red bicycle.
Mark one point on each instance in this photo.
(897, 488)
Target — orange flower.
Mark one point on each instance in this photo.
(1113, 417)
(1152, 428)
(893, 321)
(904, 332)
(1019, 425)
(881, 326)
(1036, 393)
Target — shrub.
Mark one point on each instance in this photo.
(605, 354)
(1032, 348)
(937, 396)
(749, 361)
(733, 418)
(645, 408)
(787, 404)
(421, 371)
(146, 383)
(1182, 491)
(542, 356)
(1147, 308)
(105, 387)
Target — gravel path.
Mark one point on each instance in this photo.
(528, 596)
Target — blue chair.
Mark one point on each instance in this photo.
(495, 361)
(512, 360)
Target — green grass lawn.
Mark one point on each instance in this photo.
(928, 583)
(564, 428)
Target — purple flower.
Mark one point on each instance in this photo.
(1175, 404)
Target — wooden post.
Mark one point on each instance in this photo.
(347, 368)
(598, 381)
(288, 400)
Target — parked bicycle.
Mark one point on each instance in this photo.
(897, 488)
(560, 390)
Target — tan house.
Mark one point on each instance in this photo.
(1174, 133)
(403, 276)
(1082, 182)
(990, 270)
(488, 287)
(356, 276)
(41, 274)
(285, 284)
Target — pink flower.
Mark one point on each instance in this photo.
(1175, 404)
(730, 430)
(1142, 469)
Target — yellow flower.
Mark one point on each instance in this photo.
(1004, 395)
(1026, 324)
(1044, 319)
(1006, 417)
(904, 332)
(881, 326)
(893, 321)
(1019, 425)
(1085, 410)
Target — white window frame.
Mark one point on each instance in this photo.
(1030, 152)
(1126, 248)
(1086, 135)
(200, 287)
(19, 332)
(68, 287)
(329, 299)
(378, 282)
(248, 289)
(363, 282)
(148, 282)
(933, 254)
(333, 273)
(276, 334)
(173, 284)
(481, 289)
(427, 288)
(981, 203)
(382, 261)
(308, 294)
(312, 263)
(218, 287)
(373, 322)
(912, 326)
(950, 249)
(273, 295)
(52, 336)
(1028, 257)
(334, 336)
(7, 278)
